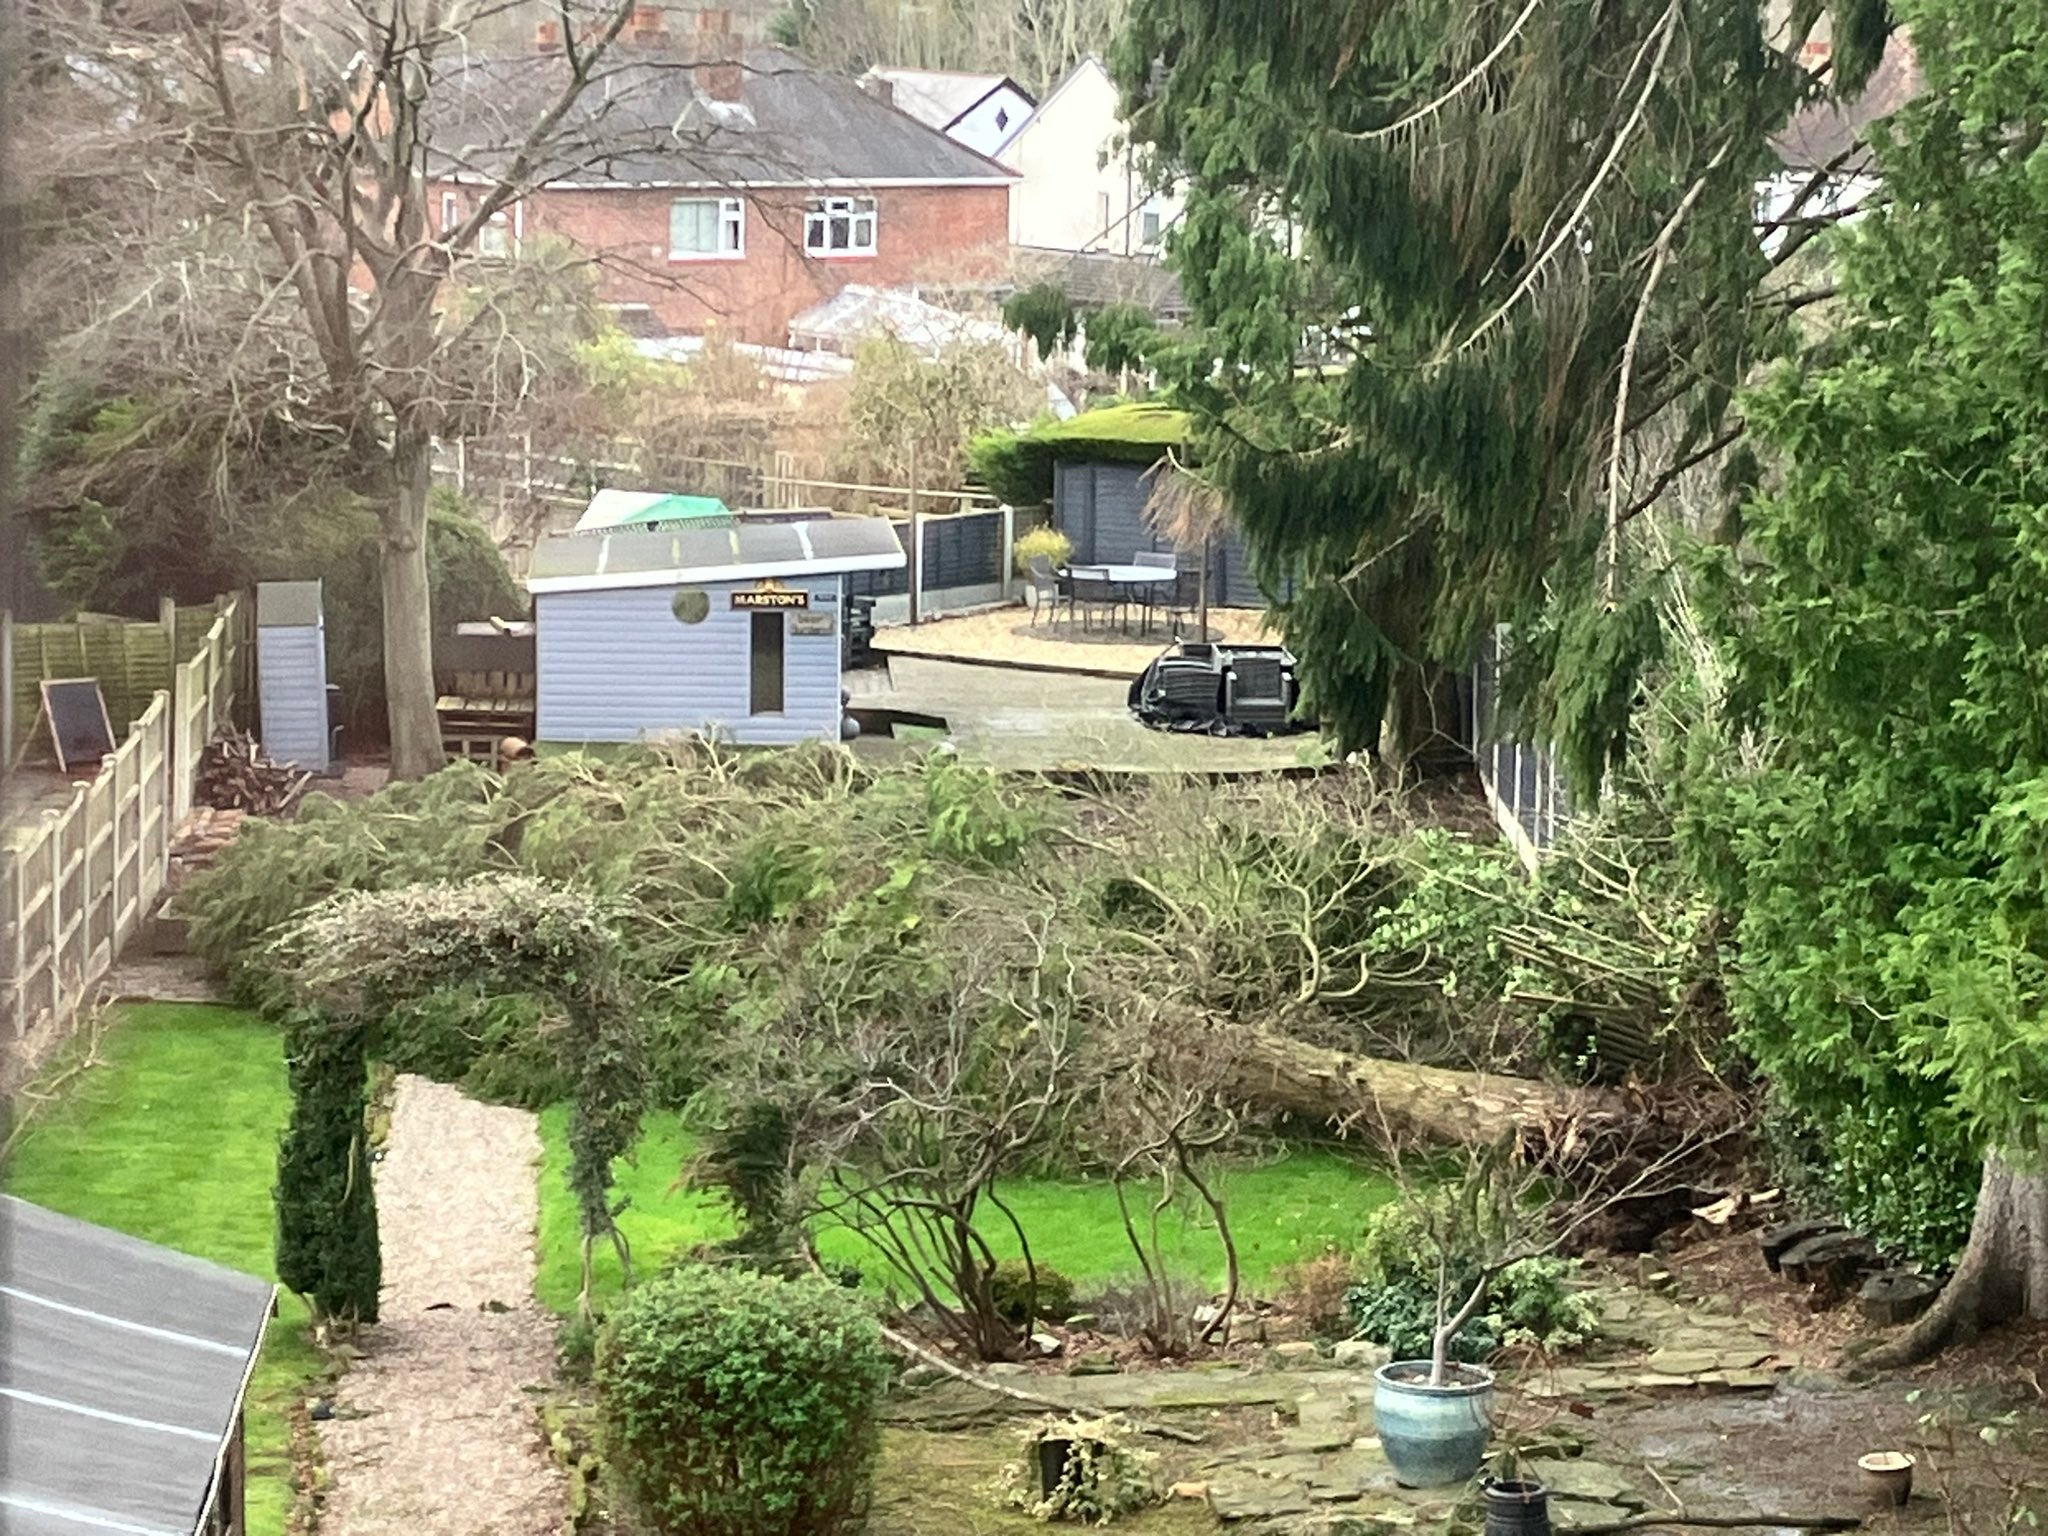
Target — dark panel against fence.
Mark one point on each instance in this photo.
(963, 551)
(882, 583)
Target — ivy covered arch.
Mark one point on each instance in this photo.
(357, 958)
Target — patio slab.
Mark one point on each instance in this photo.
(1045, 722)
(1006, 637)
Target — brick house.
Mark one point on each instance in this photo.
(732, 186)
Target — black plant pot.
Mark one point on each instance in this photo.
(1516, 1508)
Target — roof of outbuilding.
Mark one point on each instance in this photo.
(746, 551)
(123, 1374)
(652, 124)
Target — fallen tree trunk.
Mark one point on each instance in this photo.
(1368, 1096)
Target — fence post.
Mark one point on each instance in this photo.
(6, 691)
(1008, 572)
(462, 466)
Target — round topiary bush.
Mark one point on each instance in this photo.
(741, 1404)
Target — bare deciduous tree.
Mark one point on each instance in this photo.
(290, 155)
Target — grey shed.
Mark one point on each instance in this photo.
(291, 673)
(122, 1381)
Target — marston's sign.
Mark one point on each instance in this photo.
(771, 597)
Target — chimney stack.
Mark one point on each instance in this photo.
(716, 55)
(547, 37)
(648, 27)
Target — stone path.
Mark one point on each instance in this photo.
(1318, 1468)
(435, 1431)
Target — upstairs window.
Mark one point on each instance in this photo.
(451, 213)
(840, 226)
(706, 228)
(1148, 229)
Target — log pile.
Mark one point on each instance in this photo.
(204, 834)
(236, 774)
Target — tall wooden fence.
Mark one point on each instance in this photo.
(77, 881)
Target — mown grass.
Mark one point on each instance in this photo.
(174, 1139)
(1290, 1207)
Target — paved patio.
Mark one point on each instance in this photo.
(1045, 721)
(1006, 637)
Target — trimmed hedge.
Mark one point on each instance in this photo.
(740, 1404)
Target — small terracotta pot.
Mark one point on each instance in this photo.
(1887, 1477)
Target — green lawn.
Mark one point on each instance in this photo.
(174, 1139)
(1289, 1208)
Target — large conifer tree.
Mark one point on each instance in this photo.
(1525, 231)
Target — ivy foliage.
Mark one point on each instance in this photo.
(740, 1404)
(327, 1247)
(1886, 627)
(1414, 249)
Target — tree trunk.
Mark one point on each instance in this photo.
(1427, 1103)
(408, 611)
(2003, 1276)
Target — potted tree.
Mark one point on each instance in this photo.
(1437, 1260)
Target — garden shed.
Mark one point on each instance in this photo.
(1097, 470)
(124, 1374)
(291, 673)
(731, 632)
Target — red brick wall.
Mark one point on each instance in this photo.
(923, 235)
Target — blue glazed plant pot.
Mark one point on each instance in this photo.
(1434, 1436)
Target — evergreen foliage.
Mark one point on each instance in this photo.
(326, 1203)
(1044, 313)
(740, 1404)
(1887, 633)
(1120, 337)
(1481, 192)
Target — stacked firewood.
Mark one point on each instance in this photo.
(204, 834)
(236, 774)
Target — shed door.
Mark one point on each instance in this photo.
(766, 674)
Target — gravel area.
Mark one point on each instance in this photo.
(436, 1431)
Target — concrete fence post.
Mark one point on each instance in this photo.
(1008, 574)
(7, 720)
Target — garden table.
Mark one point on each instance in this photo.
(1135, 580)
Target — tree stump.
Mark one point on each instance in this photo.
(1894, 1296)
(1832, 1264)
(1775, 1242)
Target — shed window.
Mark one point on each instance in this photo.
(701, 227)
(840, 226)
(765, 683)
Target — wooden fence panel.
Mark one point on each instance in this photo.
(77, 884)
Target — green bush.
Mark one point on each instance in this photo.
(1395, 1302)
(1023, 1296)
(739, 1404)
(1043, 540)
(1016, 468)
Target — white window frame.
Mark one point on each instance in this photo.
(731, 226)
(503, 234)
(1153, 215)
(823, 213)
(451, 212)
